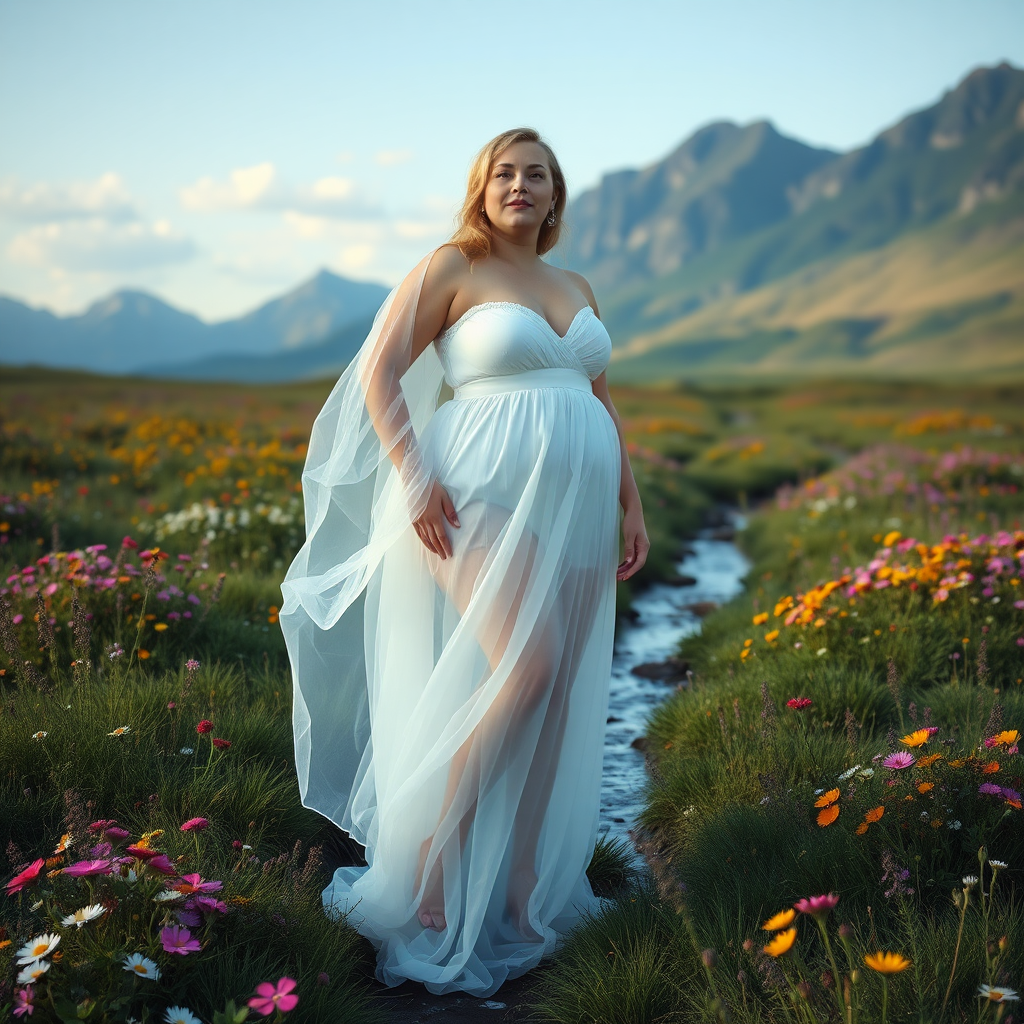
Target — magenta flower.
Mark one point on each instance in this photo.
(178, 940)
(23, 878)
(209, 905)
(269, 997)
(116, 832)
(102, 825)
(24, 1001)
(817, 906)
(194, 883)
(799, 703)
(88, 867)
(162, 863)
(901, 759)
(195, 825)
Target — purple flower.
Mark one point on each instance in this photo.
(901, 759)
(990, 789)
(178, 940)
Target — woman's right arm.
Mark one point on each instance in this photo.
(417, 314)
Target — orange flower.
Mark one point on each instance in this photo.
(1008, 737)
(874, 814)
(143, 654)
(862, 828)
(783, 919)
(925, 787)
(828, 798)
(760, 618)
(828, 815)
(928, 761)
(990, 768)
(782, 943)
(773, 635)
(915, 739)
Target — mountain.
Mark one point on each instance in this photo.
(722, 183)
(131, 332)
(950, 177)
(318, 359)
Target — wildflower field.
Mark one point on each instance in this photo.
(850, 739)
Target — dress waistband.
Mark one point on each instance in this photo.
(548, 377)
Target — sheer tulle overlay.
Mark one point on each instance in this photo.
(450, 714)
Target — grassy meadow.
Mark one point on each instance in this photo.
(146, 740)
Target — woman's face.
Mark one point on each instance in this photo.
(520, 192)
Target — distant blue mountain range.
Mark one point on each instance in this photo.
(133, 332)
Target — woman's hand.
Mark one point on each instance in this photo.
(430, 526)
(634, 533)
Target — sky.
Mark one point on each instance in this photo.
(219, 153)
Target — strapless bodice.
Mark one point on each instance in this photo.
(497, 339)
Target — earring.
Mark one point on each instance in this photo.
(551, 217)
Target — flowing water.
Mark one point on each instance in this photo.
(663, 620)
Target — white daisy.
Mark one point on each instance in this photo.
(167, 894)
(180, 1015)
(970, 880)
(120, 730)
(41, 735)
(83, 916)
(35, 906)
(866, 773)
(999, 864)
(187, 750)
(37, 948)
(849, 773)
(31, 974)
(997, 994)
(142, 966)
(822, 650)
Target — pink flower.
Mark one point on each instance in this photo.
(178, 940)
(817, 906)
(23, 1001)
(162, 863)
(88, 867)
(129, 543)
(142, 852)
(269, 997)
(195, 883)
(30, 874)
(204, 727)
(901, 759)
(195, 825)
(209, 905)
(799, 703)
(102, 825)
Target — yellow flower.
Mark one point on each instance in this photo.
(827, 798)
(760, 618)
(782, 943)
(925, 787)
(160, 627)
(927, 762)
(744, 653)
(747, 643)
(783, 919)
(915, 739)
(1008, 738)
(890, 538)
(773, 635)
(886, 963)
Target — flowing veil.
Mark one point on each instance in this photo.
(356, 505)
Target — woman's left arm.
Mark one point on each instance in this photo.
(634, 533)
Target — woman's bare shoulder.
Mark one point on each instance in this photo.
(584, 286)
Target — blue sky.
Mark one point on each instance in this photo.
(218, 153)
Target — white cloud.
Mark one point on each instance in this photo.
(391, 157)
(97, 245)
(261, 188)
(106, 197)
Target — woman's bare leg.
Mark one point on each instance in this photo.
(529, 680)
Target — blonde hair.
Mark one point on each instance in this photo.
(472, 229)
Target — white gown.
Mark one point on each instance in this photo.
(473, 766)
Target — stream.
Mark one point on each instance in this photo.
(665, 613)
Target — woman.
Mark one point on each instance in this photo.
(449, 619)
